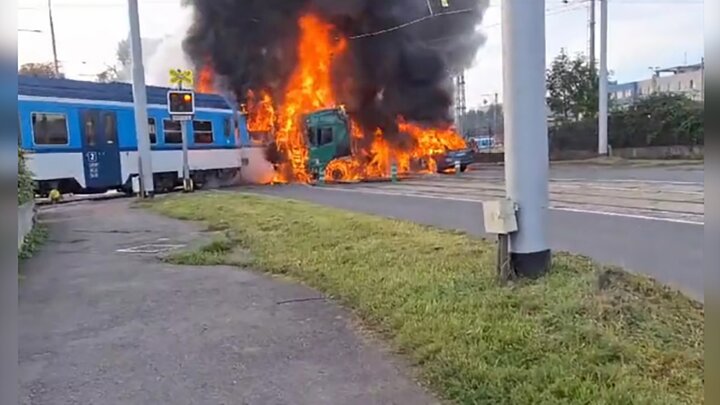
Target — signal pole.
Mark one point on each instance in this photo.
(603, 85)
(56, 65)
(147, 188)
(187, 185)
(526, 135)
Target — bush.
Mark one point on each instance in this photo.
(25, 181)
(657, 120)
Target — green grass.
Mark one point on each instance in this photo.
(33, 240)
(581, 335)
(211, 254)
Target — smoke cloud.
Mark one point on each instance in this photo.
(387, 71)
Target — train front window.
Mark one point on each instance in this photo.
(202, 132)
(49, 129)
(173, 132)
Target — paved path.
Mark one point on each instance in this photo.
(103, 321)
(646, 225)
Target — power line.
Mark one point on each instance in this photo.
(409, 23)
(98, 5)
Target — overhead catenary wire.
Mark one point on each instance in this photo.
(409, 23)
(446, 13)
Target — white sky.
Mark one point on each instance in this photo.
(642, 33)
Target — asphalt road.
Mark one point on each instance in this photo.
(103, 321)
(665, 242)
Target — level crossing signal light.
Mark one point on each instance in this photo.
(181, 102)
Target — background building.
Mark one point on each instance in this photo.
(687, 80)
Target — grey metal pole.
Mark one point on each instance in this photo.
(526, 135)
(186, 165)
(147, 188)
(603, 85)
(52, 38)
(702, 79)
(495, 113)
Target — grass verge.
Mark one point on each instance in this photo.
(33, 240)
(581, 335)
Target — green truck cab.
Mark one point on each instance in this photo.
(328, 137)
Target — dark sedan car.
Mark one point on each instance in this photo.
(447, 160)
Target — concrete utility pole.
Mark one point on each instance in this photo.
(592, 34)
(147, 188)
(526, 135)
(52, 38)
(460, 102)
(603, 86)
(494, 115)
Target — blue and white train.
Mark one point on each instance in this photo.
(80, 137)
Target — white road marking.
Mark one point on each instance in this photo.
(668, 182)
(635, 216)
(551, 207)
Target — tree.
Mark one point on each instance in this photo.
(662, 119)
(123, 53)
(480, 122)
(114, 73)
(120, 71)
(46, 69)
(25, 181)
(572, 88)
(109, 75)
(656, 120)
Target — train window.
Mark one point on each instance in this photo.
(110, 128)
(202, 132)
(173, 131)
(152, 130)
(228, 127)
(49, 129)
(90, 130)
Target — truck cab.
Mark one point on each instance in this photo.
(327, 134)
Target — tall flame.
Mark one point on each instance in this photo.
(205, 80)
(309, 89)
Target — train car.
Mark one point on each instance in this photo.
(80, 137)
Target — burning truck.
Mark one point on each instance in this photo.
(328, 136)
(301, 65)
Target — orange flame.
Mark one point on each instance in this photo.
(310, 89)
(205, 81)
(260, 117)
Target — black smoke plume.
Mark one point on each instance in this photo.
(391, 69)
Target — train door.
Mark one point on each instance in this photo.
(101, 153)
